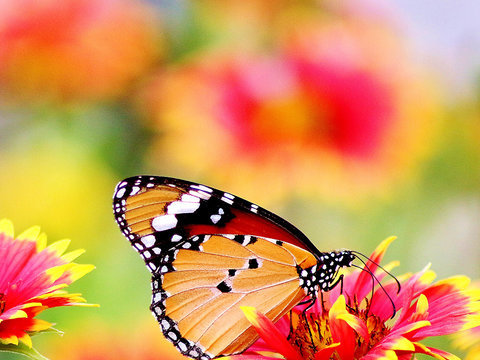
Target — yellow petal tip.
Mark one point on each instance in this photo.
(251, 314)
(6, 227)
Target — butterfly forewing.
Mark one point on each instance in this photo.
(145, 205)
(211, 253)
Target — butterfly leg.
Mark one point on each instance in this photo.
(291, 324)
(322, 301)
(310, 303)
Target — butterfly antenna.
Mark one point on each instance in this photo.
(357, 254)
(374, 278)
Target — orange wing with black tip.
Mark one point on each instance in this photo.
(211, 253)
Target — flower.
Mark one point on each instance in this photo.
(140, 340)
(32, 278)
(302, 118)
(357, 325)
(469, 339)
(74, 49)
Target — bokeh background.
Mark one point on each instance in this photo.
(353, 119)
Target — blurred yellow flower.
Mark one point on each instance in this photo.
(74, 49)
(313, 117)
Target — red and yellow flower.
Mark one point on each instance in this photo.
(358, 324)
(469, 341)
(32, 279)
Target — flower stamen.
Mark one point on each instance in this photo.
(2, 303)
(311, 332)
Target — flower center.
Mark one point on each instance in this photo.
(311, 333)
(291, 119)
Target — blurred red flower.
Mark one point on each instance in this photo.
(333, 108)
(296, 123)
(73, 49)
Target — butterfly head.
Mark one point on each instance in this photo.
(331, 263)
(323, 276)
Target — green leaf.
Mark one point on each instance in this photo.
(22, 349)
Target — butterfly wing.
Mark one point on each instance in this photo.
(210, 253)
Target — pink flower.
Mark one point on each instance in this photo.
(32, 279)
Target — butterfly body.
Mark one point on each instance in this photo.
(210, 253)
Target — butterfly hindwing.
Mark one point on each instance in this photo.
(198, 302)
(210, 253)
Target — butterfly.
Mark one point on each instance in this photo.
(209, 253)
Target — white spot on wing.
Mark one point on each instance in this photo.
(176, 238)
(229, 196)
(135, 190)
(215, 218)
(190, 198)
(180, 207)
(148, 240)
(157, 297)
(164, 222)
(201, 194)
(120, 193)
(227, 200)
(202, 187)
(165, 325)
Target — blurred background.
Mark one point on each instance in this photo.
(353, 119)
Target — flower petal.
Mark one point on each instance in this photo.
(363, 284)
(269, 333)
(341, 330)
(6, 228)
(30, 234)
(31, 277)
(59, 246)
(326, 352)
(436, 353)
